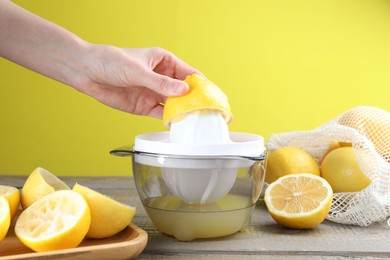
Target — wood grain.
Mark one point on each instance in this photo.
(128, 244)
(263, 238)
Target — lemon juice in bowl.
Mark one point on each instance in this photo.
(189, 221)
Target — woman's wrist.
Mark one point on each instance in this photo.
(74, 61)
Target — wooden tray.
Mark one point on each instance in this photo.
(128, 244)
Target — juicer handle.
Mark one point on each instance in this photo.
(127, 150)
(123, 151)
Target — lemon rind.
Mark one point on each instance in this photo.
(227, 116)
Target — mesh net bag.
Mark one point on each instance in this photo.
(368, 129)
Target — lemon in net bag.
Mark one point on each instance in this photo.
(368, 130)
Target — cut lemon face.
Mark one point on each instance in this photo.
(5, 217)
(12, 195)
(203, 95)
(56, 221)
(299, 201)
(38, 184)
(108, 216)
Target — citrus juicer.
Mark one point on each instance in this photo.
(198, 180)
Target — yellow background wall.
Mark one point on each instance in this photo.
(286, 65)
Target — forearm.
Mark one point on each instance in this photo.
(38, 44)
(132, 80)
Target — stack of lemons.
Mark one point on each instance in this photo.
(300, 191)
(56, 217)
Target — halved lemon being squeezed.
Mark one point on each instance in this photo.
(203, 95)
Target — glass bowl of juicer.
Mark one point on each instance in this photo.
(198, 191)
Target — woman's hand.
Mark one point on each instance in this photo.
(132, 80)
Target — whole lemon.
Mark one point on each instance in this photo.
(289, 160)
(335, 145)
(372, 122)
(342, 171)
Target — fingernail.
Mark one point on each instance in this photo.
(182, 89)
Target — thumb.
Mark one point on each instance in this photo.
(165, 85)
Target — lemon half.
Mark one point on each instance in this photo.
(56, 221)
(38, 184)
(203, 95)
(5, 217)
(299, 201)
(12, 195)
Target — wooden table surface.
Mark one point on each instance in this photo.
(262, 239)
